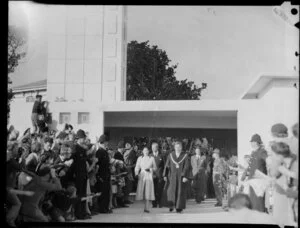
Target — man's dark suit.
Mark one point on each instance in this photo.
(78, 172)
(103, 179)
(119, 156)
(158, 179)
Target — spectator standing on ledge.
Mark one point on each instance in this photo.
(35, 112)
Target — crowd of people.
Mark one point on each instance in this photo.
(62, 176)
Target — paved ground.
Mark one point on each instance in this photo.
(194, 213)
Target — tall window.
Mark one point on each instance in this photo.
(83, 117)
(64, 117)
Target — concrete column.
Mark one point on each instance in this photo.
(97, 127)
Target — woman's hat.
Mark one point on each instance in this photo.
(103, 138)
(80, 134)
(279, 130)
(256, 138)
(121, 145)
(62, 135)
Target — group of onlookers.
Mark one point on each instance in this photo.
(270, 175)
(63, 177)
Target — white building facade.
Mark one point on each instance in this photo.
(86, 86)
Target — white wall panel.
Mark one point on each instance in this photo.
(75, 47)
(57, 47)
(92, 71)
(110, 46)
(75, 25)
(93, 47)
(109, 93)
(94, 25)
(92, 92)
(56, 71)
(55, 90)
(74, 72)
(74, 92)
(93, 10)
(109, 71)
(111, 25)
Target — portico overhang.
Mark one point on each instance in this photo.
(265, 82)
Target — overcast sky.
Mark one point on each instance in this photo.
(226, 47)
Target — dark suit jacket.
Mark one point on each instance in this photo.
(103, 163)
(119, 156)
(257, 161)
(160, 165)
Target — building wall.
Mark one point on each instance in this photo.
(85, 53)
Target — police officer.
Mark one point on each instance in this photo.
(257, 162)
(218, 170)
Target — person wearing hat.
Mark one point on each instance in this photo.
(158, 175)
(103, 176)
(78, 170)
(44, 181)
(293, 141)
(257, 162)
(199, 166)
(176, 175)
(119, 153)
(35, 112)
(218, 171)
(130, 160)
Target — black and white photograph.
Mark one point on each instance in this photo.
(152, 114)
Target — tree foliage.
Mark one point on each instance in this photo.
(16, 41)
(151, 77)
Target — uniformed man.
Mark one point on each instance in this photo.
(218, 171)
(257, 162)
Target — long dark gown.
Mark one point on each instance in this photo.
(176, 189)
(210, 192)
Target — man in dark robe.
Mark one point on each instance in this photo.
(103, 175)
(157, 175)
(177, 172)
(78, 171)
(257, 162)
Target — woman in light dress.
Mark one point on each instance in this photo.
(144, 170)
(285, 171)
